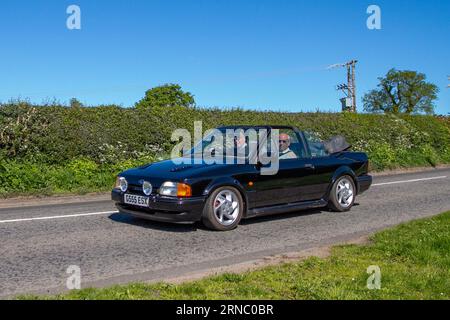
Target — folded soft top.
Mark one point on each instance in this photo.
(336, 144)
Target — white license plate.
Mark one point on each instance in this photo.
(136, 200)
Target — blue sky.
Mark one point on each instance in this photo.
(258, 54)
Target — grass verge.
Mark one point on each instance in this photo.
(414, 259)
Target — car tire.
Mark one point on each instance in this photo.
(223, 209)
(342, 194)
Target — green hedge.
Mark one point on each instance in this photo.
(57, 148)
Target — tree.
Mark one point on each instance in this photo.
(402, 92)
(75, 103)
(168, 95)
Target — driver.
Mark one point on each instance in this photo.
(285, 152)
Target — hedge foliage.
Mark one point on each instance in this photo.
(58, 148)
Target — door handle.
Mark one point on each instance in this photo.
(309, 166)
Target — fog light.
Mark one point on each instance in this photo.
(122, 184)
(147, 188)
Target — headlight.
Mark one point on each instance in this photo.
(172, 189)
(121, 184)
(168, 189)
(147, 188)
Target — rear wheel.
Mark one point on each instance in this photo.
(223, 210)
(342, 195)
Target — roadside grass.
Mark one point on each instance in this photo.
(414, 259)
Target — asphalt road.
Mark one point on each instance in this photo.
(38, 244)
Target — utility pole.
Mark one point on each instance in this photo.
(353, 84)
(349, 89)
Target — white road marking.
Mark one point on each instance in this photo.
(111, 212)
(59, 217)
(408, 181)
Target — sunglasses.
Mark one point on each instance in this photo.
(283, 141)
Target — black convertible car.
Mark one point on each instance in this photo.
(311, 174)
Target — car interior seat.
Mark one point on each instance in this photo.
(298, 150)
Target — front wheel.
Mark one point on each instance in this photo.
(223, 210)
(342, 195)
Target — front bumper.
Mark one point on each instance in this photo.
(163, 209)
(364, 183)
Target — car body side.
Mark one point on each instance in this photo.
(299, 184)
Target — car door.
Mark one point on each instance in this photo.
(295, 180)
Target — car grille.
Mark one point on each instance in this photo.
(134, 189)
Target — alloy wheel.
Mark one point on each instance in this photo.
(226, 207)
(345, 193)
